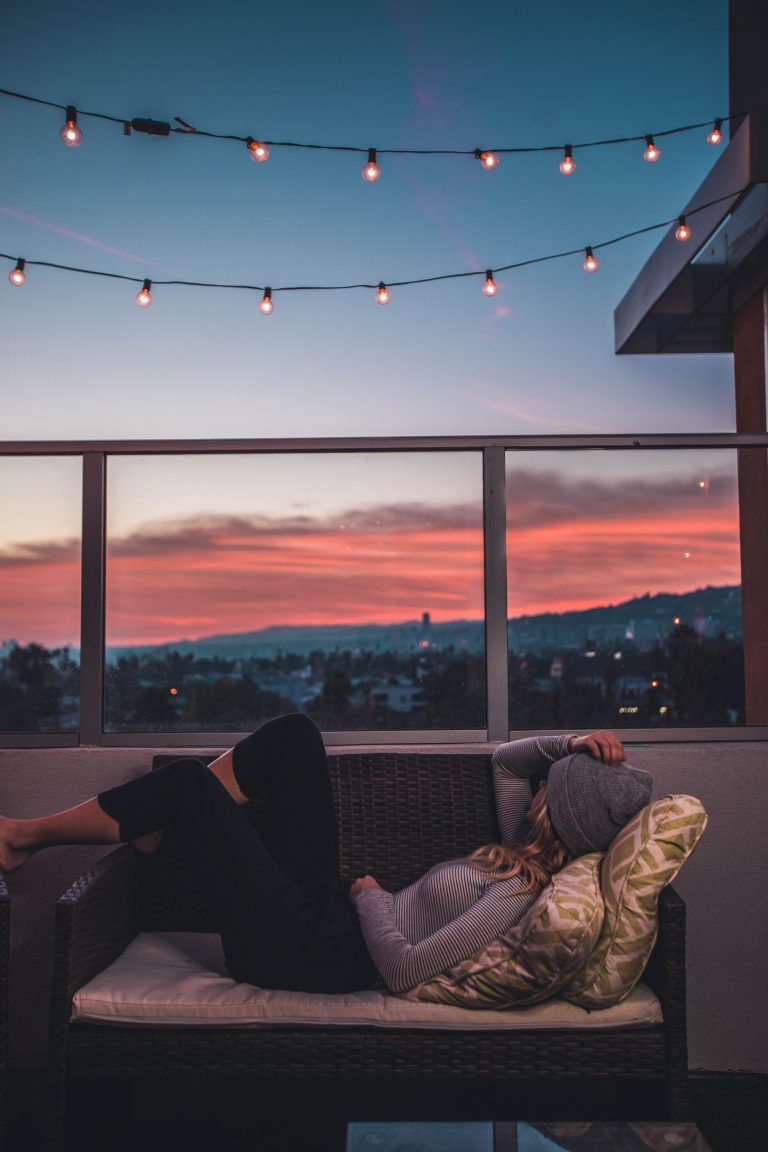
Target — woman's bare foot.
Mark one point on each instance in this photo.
(12, 856)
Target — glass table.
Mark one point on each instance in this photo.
(516, 1136)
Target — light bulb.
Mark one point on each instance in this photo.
(490, 287)
(382, 293)
(16, 275)
(591, 264)
(266, 305)
(144, 298)
(683, 231)
(651, 153)
(371, 170)
(568, 164)
(715, 136)
(258, 149)
(71, 133)
(487, 159)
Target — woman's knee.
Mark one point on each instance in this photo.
(185, 771)
(291, 724)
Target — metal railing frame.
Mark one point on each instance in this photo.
(494, 449)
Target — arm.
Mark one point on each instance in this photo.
(514, 763)
(403, 965)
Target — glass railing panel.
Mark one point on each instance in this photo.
(40, 530)
(624, 596)
(347, 586)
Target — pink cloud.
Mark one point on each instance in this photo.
(573, 543)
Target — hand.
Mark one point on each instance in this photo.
(363, 884)
(603, 746)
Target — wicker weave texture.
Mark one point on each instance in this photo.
(359, 1054)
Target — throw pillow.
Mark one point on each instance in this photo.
(538, 956)
(645, 856)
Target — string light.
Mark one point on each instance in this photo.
(651, 153)
(568, 164)
(144, 297)
(258, 150)
(488, 160)
(371, 170)
(715, 136)
(16, 275)
(682, 232)
(383, 294)
(490, 287)
(266, 305)
(71, 133)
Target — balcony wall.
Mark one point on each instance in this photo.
(722, 885)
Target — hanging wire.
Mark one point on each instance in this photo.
(376, 284)
(164, 128)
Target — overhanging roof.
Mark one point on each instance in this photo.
(684, 298)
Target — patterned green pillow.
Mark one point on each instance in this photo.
(538, 956)
(645, 856)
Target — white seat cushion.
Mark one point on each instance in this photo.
(179, 978)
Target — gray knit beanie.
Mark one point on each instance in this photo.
(590, 803)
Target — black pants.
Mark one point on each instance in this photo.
(287, 921)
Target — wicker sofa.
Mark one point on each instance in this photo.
(398, 814)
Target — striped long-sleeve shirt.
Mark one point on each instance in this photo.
(457, 908)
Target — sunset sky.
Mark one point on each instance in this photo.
(578, 536)
(199, 549)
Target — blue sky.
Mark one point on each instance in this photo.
(80, 360)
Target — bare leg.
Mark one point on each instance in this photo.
(88, 823)
(224, 772)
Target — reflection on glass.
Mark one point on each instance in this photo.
(40, 512)
(624, 596)
(346, 586)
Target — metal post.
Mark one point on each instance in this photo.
(496, 647)
(750, 352)
(92, 598)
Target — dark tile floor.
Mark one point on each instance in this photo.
(731, 1111)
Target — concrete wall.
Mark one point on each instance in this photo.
(722, 884)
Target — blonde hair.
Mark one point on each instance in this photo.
(535, 863)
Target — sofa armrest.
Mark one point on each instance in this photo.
(665, 973)
(96, 918)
